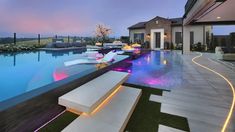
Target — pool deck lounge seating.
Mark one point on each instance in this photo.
(112, 116)
(88, 96)
(107, 58)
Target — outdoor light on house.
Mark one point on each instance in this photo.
(148, 36)
(165, 35)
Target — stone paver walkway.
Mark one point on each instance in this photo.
(203, 98)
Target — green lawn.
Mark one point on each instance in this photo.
(145, 118)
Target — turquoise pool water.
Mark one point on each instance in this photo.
(28, 74)
(23, 72)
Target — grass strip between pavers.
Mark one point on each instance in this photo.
(59, 123)
(145, 118)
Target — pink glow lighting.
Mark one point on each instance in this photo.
(59, 76)
(154, 81)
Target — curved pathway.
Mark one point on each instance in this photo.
(203, 97)
(230, 113)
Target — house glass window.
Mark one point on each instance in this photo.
(139, 38)
(178, 37)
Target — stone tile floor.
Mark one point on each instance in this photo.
(203, 97)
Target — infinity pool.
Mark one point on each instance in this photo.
(21, 73)
(159, 69)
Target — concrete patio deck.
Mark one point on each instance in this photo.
(203, 97)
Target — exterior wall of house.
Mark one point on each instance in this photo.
(133, 31)
(199, 35)
(162, 24)
(174, 30)
(199, 30)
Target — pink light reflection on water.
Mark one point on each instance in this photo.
(59, 76)
(122, 70)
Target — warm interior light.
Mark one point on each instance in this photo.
(231, 86)
(218, 17)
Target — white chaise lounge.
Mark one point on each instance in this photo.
(88, 96)
(107, 58)
(110, 117)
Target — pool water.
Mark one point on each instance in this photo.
(22, 72)
(158, 69)
(28, 74)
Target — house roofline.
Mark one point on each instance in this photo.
(169, 19)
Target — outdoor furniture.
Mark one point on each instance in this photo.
(88, 96)
(107, 58)
(112, 116)
(225, 53)
(115, 44)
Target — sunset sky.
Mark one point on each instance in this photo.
(79, 17)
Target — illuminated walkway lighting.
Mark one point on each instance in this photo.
(231, 86)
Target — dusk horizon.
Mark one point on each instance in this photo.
(117, 65)
(79, 18)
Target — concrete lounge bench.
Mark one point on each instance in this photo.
(110, 117)
(88, 96)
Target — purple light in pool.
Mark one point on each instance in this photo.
(154, 81)
(122, 69)
(139, 63)
(148, 58)
(128, 61)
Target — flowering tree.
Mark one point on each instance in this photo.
(102, 32)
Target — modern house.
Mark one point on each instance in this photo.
(162, 32)
(194, 27)
(205, 12)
